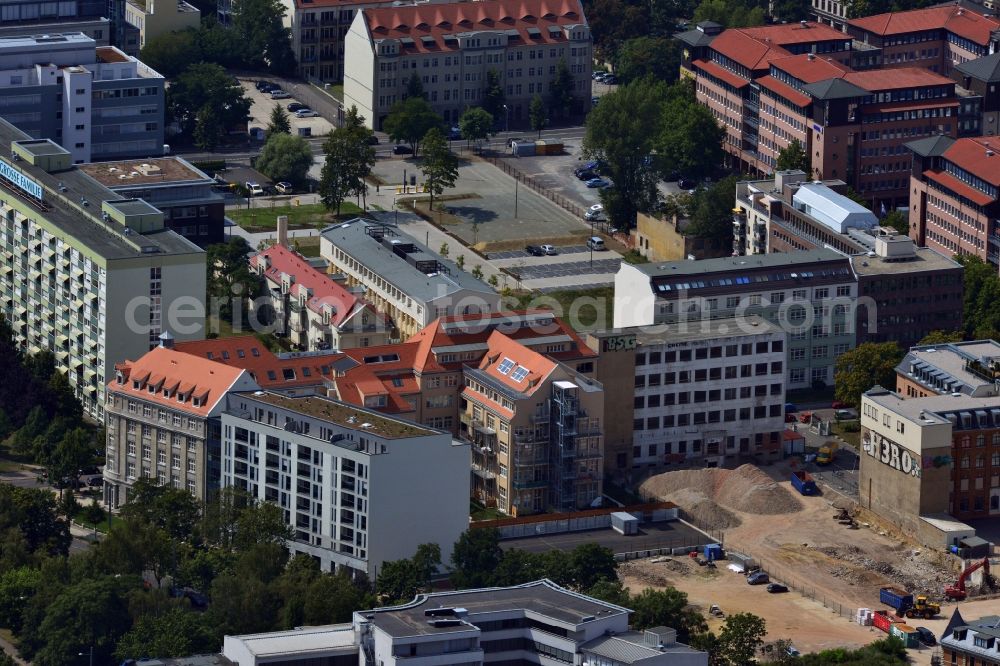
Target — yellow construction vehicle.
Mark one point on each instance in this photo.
(923, 608)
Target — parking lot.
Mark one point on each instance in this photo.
(262, 104)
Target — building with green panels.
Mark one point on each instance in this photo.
(85, 274)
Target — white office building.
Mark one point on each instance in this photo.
(358, 487)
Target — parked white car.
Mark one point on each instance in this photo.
(254, 189)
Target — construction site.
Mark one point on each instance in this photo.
(834, 557)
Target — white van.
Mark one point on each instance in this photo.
(595, 243)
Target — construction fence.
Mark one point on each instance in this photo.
(522, 179)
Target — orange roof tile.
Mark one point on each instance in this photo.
(268, 369)
(786, 91)
(810, 69)
(720, 73)
(514, 365)
(876, 80)
(970, 154)
(200, 377)
(957, 20)
(754, 48)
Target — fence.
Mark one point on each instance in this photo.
(556, 198)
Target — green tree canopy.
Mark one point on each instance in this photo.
(538, 115)
(941, 337)
(400, 580)
(712, 211)
(414, 86)
(731, 13)
(263, 36)
(561, 91)
(493, 96)
(285, 158)
(475, 557)
(206, 101)
(867, 365)
(476, 123)
(793, 156)
(410, 120)
(981, 311)
(173, 510)
(32, 513)
(229, 274)
(690, 139)
(173, 52)
(175, 633)
(348, 161)
(440, 165)
(279, 122)
(639, 57)
(897, 221)
(613, 22)
(741, 637)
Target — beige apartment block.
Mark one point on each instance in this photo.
(158, 17)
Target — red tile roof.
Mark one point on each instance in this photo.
(315, 4)
(720, 73)
(959, 188)
(754, 48)
(784, 34)
(876, 80)
(174, 374)
(785, 91)
(954, 19)
(811, 69)
(912, 106)
(506, 360)
(970, 154)
(269, 370)
(324, 292)
(385, 370)
(531, 19)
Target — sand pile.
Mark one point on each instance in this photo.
(711, 495)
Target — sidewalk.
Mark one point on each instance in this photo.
(11, 651)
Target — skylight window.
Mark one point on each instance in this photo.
(519, 374)
(506, 365)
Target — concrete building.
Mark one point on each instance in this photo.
(95, 101)
(930, 459)
(535, 429)
(163, 419)
(830, 12)
(347, 478)
(85, 274)
(969, 368)
(981, 76)
(812, 295)
(452, 47)
(912, 290)
(537, 622)
(975, 642)
(405, 280)
(703, 394)
(153, 18)
(40, 17)
(955, 196)
(313, 310)
(660, 239)
(185, 194)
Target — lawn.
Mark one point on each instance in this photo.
(480, 512)
(306, 216)
(102, 526)
(839, 428)
(584, 309)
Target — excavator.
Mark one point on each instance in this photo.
(957, 591)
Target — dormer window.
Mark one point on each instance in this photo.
(136, 385)
(120, 378)
(181, 397)
(151, 388)
(196, 402)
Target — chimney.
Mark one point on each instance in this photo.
(810, 56)
(166, 340)
(283, 230)
(804, 24)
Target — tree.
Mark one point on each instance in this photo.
(476, 124)
(561, 91)
(896, 221)
(334, 598)
(415, 87)
(863, 367)
(440, 166)
(475, 558)
(17, 585)
(612, 22)
(348, 161)
(173, 52)
(493, 96)
(537, 114)
(793, 156)
(611, 591)
(711, 212)
(622, 131)
(175, 633)
(205, 100)
(639, 57)
(690, 139)
(136, 547)
(73, 452)
(941, 338)
(982, 298)
(229, 275)
(668, 607)
(410, 120)
(591, 563)
(173, 510)
(279, 122)
(285, 157)
(730, 13)
(741, 636)
(264, 39)
(32, 513)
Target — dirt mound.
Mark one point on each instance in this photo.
(716, 493)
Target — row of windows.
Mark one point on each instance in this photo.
(715, 351)
(711, 416)
(698, 397)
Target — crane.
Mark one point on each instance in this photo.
(957, 591)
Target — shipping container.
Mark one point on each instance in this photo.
(624, 523)
(895, 598)
(523, 148)
(882, 620)
(804, 482)
(713, 551)
(905, 633)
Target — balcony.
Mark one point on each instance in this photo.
(483, 472)
(529, 485)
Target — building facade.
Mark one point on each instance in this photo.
(535, 429)
(185, 194)
(661, 239)
(968, 368)
(453, 47)
(95, 101)
(84, 274)
(39, 17)
(314, 311)
(405, 280)
(162, 416)
(812, 295)
(347, 478)
(975, 643)
(955, 196)
(153, 18)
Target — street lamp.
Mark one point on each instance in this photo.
(506, 125)
(80, 654)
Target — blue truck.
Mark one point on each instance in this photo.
(804, 483)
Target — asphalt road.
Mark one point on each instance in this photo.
(530, 272)
(516, 254)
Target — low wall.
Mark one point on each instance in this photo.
(591, 519)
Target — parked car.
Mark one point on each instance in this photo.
(596, 243)
(758, 578)
(587, 175)
(837, 404)
(594, 75)
(587, 166)
(254, 189)
(845, 414)
(595, 216)
(926, 636)
(265, 86)
(598, 183)
(306, 113)
(284, 187)
(792, 651)
(454, 133)
(280, 94)
(295, 106)
(776, 588)
(401, 149)
(594, 101)
(596, 208)
(548, 249)
(534, 250)
(372, 140)
(790, 418)
(95, 481)
(610, 80)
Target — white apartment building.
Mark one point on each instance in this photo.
(84, 273)
(358, 487)
(405, 280)
(95, 101)
(453, 46)
(533, 623)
